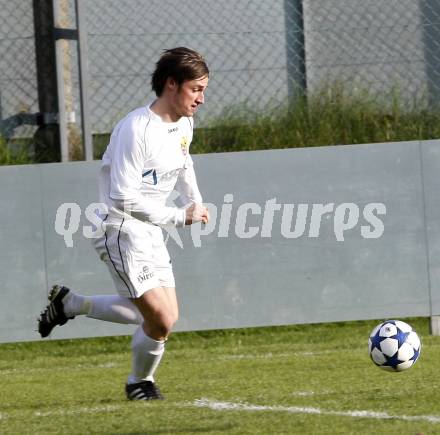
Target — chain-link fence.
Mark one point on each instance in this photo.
(18, 72)
(263, 52)
(260, 53)
(244, 43)
(373, 44)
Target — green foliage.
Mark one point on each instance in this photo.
(76, 386)
(100, 142)
(18, 156)
(329, 117)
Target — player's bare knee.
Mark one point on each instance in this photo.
(168, 323)
(162, 327)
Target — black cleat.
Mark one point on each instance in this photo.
(54, 314)
(145, 390)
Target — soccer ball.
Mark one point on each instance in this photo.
(394, 346)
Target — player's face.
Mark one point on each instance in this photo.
(189, 96)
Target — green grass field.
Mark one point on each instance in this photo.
(307, 379)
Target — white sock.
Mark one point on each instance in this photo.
(146, 356)
(111, 308)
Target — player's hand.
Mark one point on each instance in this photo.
(196, 213)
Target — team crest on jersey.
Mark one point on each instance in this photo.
(184, 144)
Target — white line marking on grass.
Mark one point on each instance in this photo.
(230, 406)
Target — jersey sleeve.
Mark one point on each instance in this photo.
(127, 162)
(126, 179)
(187, 187)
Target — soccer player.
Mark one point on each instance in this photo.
(146, 159)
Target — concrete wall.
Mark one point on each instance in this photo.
(233, 280)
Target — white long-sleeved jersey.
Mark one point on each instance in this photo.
(144, 162)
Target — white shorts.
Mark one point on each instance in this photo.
(136, 256)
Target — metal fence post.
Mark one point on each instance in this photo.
(83, 79)
(295, 49)
(46, 137)
(64, 142)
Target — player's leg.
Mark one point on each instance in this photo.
(172, 302)
(110, 308)
(158, 309)
(65, 305)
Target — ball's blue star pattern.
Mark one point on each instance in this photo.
(401, 337)
(376, 340)
(393, 361)
(416, 355)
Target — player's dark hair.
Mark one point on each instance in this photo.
(181, 64)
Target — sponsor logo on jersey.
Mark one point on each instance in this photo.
(145, 274)
(173, 130)
(184, 144)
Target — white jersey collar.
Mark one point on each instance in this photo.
(156, 117)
